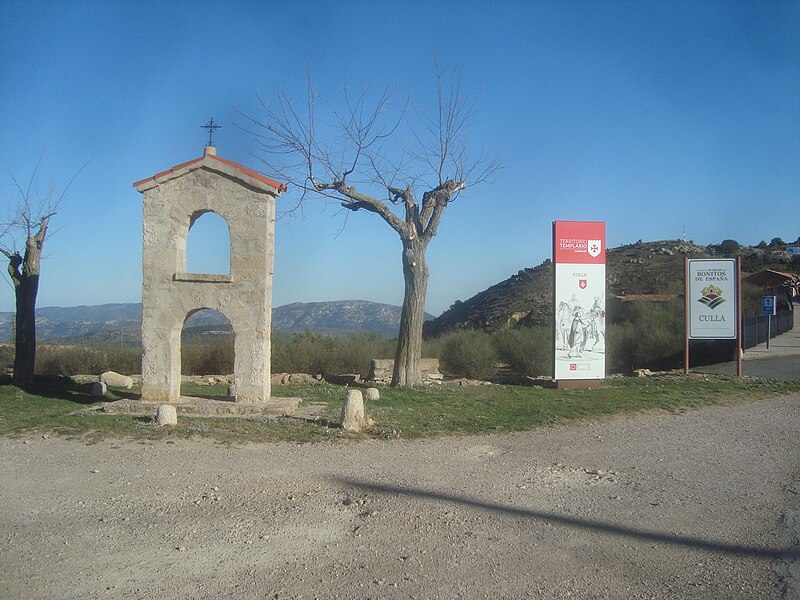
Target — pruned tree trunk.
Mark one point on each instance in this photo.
(409, 342)
(24, 272)
(30, 223)
(25, 340)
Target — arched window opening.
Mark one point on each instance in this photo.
(208, 246)
(207, 344)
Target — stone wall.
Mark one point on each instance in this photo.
(381, 370)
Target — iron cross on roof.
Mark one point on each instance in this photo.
(211, 126)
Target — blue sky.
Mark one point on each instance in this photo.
(650, 116)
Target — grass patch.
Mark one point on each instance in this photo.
(59, 406)
(498, 408)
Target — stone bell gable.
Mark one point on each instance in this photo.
(172, 201)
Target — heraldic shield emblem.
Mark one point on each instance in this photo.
(594, 248)
(582, 283)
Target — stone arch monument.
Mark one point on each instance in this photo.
(172, 201)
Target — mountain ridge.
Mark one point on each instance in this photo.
(111, 322)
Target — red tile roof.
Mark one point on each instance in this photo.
(254, 174)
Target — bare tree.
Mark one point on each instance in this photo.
(21, 241)
(377, 155)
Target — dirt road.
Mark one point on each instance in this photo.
(699, 505)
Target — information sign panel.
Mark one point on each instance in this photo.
(768, 305)
(713, 297)
(579, 257)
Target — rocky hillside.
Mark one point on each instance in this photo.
(115, 322)
(646, 269)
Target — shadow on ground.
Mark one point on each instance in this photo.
(64, 388)
(759, 552)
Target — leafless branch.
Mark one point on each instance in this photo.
(28, 226)
(370, 148)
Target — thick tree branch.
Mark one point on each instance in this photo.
(42, 233)
(354, 200)
(434, 203)
(14, 263)
(405, 196)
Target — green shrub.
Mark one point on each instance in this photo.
(620, 342)
(214, 355)
(74, 359)
(207, 355)
(6, 357)
(527, 350)
(356, 352)
(432, 347)
(314, 353)
(469, 354)
(651, 338)
(305, 352)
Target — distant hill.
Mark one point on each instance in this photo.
(76, 322)
(653, 270)
(340, 317)
(115, 322)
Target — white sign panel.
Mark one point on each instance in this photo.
(580, 300)
(712, 299)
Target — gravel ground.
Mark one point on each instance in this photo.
(704, 504)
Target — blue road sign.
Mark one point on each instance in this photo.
(768, 305)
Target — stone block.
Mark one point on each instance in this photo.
(279, 378)
(372, 395)
(114, 379)
(166, 414)
(380, 369)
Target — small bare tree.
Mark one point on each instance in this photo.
(377, 156)
(21, 241)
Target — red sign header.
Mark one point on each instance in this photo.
(579, 242)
